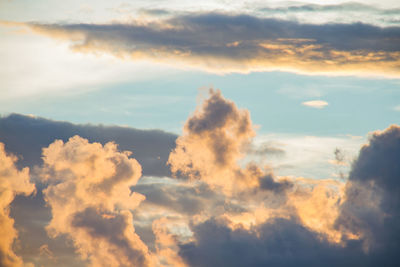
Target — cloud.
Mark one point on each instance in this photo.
(25, 136)
(371, 208)
(266, 149)
(214, 139)
(231, 211)
(364, 214)
(279, 242)
(90, 199)
(224, 43)
(315, 104)
(12, 182)
(346, 12)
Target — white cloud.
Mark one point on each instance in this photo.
(396, 108)
(315, 104)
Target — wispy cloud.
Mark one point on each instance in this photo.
(315, 104)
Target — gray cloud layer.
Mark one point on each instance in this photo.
(224, 43)
(26, 136)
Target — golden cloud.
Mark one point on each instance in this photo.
(12, 182)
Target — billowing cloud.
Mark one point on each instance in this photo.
(225, 43)
(315, 104)
(214, 139)
(12, 182)
(25, 136)
(90, 199)
(371, 208)
(230, 211)
(364, 214)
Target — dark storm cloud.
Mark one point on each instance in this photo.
(26, 136)
(280, 242)
(379, 161)
(224, 43)
(373, 196)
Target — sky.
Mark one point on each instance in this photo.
(220, 133)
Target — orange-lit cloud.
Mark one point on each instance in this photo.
(166, 244)
(224, 43)
(90, 199)
(212, 142)
(12, 182)
(229, 212)
(350, 223)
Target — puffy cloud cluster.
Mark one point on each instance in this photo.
(91, 201)
(222, 43)
(230, 212)
(212, 143)
(358, 225)
(215, 138)
(12, 182)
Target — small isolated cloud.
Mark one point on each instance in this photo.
(396, 108)
(315, 104)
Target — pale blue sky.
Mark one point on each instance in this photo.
(355, 105)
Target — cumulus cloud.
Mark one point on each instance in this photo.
(224, 43)
(214, 139)
(90, 199)
(12, 182)
(371, 208)
(25, 136)
(353, 225)
(229, 211)
(319, 104)
(211, 143)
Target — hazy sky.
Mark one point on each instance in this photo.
(252, 126)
